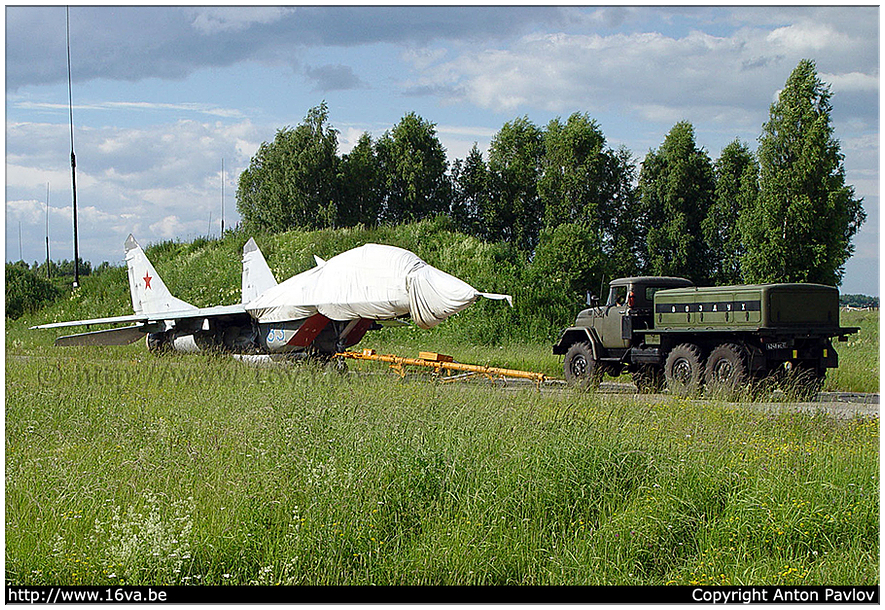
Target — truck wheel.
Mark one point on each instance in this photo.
(726, 370)
(649, 379)
(580, 367)
(684, 369)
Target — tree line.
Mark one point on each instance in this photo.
(30, 287)
(781, 213)
(859, 301)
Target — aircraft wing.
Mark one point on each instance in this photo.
(109, 336)
(203, 312)
(111, 320)
(185, 314)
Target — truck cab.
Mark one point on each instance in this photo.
(605, 332)
(629, 306)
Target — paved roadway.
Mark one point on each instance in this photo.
(839, 404)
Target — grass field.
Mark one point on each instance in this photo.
(190, 469)
(858, 357)
(126, 468)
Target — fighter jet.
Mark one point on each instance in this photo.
(321, 311)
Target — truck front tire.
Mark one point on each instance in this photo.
(684, 369)
(579, 366)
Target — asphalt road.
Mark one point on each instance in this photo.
(838, 404)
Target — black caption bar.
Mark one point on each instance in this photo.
(429, 594)
(85, 595)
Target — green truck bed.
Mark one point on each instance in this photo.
(748, 308)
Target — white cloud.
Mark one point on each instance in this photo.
(26, 210)
(34, 177)
(196, 108)
(807, 37)
(156, 181)
(865, 144)
(655, 76)
(466, 130)
(169, 227)
(214, 20)
(422, 58)
(852, 81)
(348, 138)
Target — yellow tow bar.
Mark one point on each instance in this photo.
(442, 362)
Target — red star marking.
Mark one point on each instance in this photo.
(147, 280)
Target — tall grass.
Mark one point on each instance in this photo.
(859, 367)
(125, 468)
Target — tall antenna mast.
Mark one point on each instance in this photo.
(48, 269)
(222, 198)
(73, 157)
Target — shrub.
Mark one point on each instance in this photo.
(26, 291)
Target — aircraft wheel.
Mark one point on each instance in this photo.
(339, 365)
(156, 342)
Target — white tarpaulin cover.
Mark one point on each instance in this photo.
(372, 281)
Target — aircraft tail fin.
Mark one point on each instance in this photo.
(149, 293)
(257, 276)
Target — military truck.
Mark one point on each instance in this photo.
(666, 331)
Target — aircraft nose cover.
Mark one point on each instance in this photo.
(372, 281)
(435, 295)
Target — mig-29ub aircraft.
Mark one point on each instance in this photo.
(321, 311)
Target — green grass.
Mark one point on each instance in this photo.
(122, 467)
(859, 368)
(126, 468)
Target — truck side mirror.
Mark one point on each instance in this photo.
(592, 300)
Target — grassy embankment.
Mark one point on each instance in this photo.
(189, 469)
(858, 357)
(207, 273)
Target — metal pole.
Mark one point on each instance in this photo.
(73, 157)
(442, 363)
(48, 269)
(222, 198)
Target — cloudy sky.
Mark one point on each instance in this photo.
(164, 95)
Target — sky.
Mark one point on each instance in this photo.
(164, 97)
